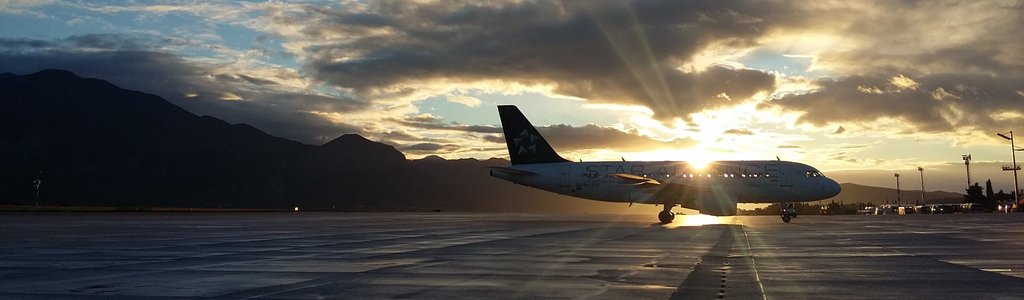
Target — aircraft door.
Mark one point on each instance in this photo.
(785, 175)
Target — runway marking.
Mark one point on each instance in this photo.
(709, 275)
(753, 264)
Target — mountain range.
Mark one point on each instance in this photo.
(95, 144)
(92, 144)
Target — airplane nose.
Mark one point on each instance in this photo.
(832, 188)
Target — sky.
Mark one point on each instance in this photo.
(859, 89)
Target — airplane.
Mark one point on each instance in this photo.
(714, 189)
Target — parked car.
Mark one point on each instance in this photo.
(943, 209)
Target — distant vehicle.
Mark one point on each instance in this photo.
(867, 210)
(896, 209)
(714, 189)
(939, 209)
(967, 208)
(885, 209)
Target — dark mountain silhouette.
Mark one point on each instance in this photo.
(93, 143)
(97, 144)
(356, 147)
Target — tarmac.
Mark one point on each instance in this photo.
(323, 255)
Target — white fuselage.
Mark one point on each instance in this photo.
(739, 181)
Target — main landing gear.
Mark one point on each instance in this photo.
(666, 215)
(788, 212)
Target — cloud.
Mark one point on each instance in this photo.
(854, 146)
(562, 137)
(494, 138)
(222, 11)
(591, 137)
(430, 148)
(739, 131)
(198, 87)
(603, 51)
(318, 70)
(464, 100)
(23, 7)
(947, 68)
(437, 124)
(936, 103)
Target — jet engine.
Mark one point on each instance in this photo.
(709, 205)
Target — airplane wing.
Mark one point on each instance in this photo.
(638, 181)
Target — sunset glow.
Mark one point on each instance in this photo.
(850, 87)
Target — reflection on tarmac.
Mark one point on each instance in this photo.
(446, 255)
(694, 220)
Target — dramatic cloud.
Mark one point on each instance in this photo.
(604, 51)
(649, 53)
(932, 103)
(948, 67)
(743, 77)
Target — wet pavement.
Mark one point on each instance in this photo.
(312, 255)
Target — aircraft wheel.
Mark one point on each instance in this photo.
(666, 216)
(786, 218)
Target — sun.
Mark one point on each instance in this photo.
(699, 159)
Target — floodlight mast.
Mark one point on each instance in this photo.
(919, 169)
(897, 175)
(967, 163)
(1014, 167)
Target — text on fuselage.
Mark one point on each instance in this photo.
(667, 171)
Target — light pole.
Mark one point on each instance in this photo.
(967, 163)
(36, 184)
(897, 187)
(919, 169)
(1014, 167)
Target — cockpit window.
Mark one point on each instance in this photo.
(814, 173)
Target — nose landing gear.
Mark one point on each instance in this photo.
(666, 215)
(788, 212)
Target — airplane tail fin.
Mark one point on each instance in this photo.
(525, 144)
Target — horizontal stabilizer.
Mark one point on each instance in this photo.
(636, 180)
(512, 171)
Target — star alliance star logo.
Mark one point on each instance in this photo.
(526, 142)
